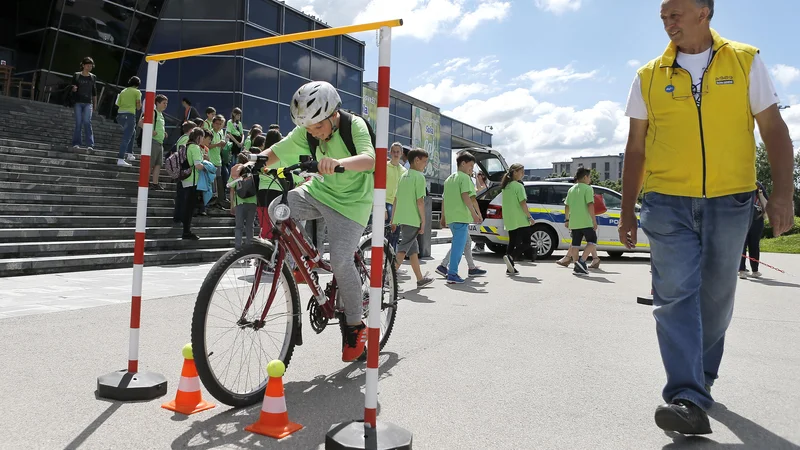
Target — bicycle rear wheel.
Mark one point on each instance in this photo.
(232, 347)
(389, 292)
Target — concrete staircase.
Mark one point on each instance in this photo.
(65, 209)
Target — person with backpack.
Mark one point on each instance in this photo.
(243, 199)
(84, 91)
(178, 168)
(268, 187)
(335, 139)
(194, 157)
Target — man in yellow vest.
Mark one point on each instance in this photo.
(691, 148)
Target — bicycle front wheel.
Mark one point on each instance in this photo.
(232, 345)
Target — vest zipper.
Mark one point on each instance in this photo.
(702, 141)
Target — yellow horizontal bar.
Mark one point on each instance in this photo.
(327, 32)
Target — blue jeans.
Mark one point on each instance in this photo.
(392, 236)
(83, 123)
(695, 247)
(460, 235)
(128, 122)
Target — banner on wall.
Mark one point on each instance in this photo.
(370, 108)
(425, 135)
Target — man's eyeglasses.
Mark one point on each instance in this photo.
(696, 92)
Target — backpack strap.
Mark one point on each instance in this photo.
(345, 131)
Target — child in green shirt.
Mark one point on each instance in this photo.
(243, 208)
(580, 219)
(215, 156)
(459, 209)
(408, 212)
(517, 219)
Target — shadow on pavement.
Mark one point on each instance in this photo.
(752, 435)
(92, 427)
(589, 277)
(774, 283)
(471, 287)
(414, 296)
(316, 404)
(521, 279)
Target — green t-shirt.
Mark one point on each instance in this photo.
(158, 126)
(411, 188)
(208, 125)
(182, 140)
(455, 210)
(393, 174)
(513, 215)
(127, 100)
(234, 128)
(247, 143)
(194, 155)
(349, 193)
(214, 154)
(578, 199)
(242, 200)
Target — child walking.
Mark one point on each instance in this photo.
(408, 212)
(459, 209)
(244, 208)
(580, 219)
(517, 219)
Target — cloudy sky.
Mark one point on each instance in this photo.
(551, 76)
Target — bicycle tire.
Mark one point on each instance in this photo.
(204, 370)
(388, 258)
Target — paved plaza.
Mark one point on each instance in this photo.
(546, 360)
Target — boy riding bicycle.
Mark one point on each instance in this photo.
(343, 200)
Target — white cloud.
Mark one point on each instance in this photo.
(785, 75)
(422, 19)
(558, 6)
(483, 71)
(536, 133)
(447, 92)
(488, 11)
(553, 79)
(635, 63)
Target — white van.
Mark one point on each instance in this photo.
(546, 205)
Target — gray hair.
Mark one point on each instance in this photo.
(706, 4)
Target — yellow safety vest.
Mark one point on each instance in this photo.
(707, 150)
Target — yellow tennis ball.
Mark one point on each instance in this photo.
(187, 351)
(276, 368)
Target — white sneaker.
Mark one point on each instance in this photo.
(743, 274)
(756, 274)
(89, 148)
(122, 163)
(402, 271)
(509, 265)
(130, 157)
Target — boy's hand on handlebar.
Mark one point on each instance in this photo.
(328, 165)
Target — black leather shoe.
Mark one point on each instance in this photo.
(682, 416)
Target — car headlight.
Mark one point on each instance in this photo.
(281, 212)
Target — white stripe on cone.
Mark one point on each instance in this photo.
(371, 396)
(188, 384)
(133, 345)
(274, 405)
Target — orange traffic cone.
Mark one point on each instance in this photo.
(274, 420)
(189, 399)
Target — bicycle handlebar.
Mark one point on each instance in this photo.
(306, 166)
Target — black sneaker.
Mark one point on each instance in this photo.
(191, 236)
(580, 267)
(682, 416)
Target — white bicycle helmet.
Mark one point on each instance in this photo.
(313, 103)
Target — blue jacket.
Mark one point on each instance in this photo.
(206, 181)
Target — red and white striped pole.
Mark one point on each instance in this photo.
(370, 432)
(378, 211)
(122, 385)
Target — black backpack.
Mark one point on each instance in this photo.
(345, 130)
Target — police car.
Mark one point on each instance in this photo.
(546, 206)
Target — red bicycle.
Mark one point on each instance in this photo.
(248, 312)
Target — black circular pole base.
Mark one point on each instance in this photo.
(354, 435)
(131, 386)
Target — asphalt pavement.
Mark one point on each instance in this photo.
(545, 360)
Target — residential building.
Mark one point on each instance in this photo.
(608, 167)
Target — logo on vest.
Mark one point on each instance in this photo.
(669, 89)
(725, 79)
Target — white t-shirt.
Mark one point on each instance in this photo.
(762, 90)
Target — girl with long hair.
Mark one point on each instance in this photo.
(517, 219)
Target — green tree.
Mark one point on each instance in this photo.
(595, 176)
